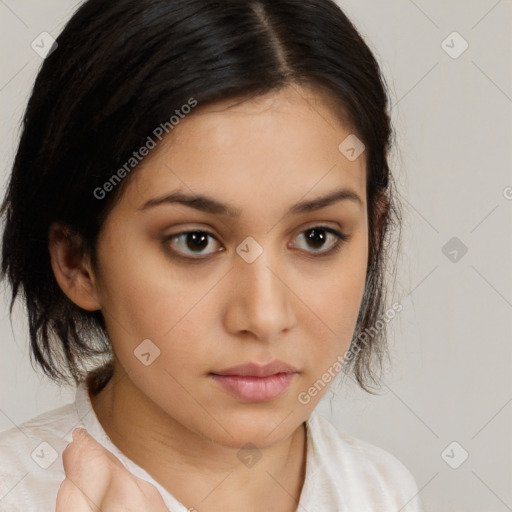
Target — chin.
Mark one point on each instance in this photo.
(260, 426)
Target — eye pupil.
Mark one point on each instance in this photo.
(196, 240)
(317, 236)
(195, 243)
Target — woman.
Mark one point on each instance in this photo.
(201, 201)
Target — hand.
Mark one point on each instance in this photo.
(97, 481)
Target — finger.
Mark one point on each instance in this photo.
(88, 467)
(71, 499)
(88, 444)
(104, 481)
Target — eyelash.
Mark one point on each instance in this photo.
(341, 239)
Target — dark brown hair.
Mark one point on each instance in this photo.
(120, 69)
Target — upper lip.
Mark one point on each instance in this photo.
(258, 370)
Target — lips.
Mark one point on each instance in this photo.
(256, 383)
(257, 370)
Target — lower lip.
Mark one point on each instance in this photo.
(255, 389)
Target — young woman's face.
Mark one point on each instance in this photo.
(272, 282)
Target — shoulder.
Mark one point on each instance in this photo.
(31, 460)
(363, 466)
(357, 453)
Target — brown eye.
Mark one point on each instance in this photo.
(199, 245)
(190, 243)
(317, 237)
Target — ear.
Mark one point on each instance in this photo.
(71, 268)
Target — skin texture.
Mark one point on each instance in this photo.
(261, 156)
(96, 480)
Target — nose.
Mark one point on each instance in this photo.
(260, 303)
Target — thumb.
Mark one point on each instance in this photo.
(85, 458)
(88, 446)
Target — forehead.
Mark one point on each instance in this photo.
(276, 148)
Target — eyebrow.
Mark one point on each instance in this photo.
(210, 205)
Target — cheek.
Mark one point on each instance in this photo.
(134, 282)
(144, 297)
(336, 303)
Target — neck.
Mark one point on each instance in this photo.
(198, 472)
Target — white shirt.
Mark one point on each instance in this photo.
(343, 473)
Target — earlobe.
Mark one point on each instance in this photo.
(71, 268)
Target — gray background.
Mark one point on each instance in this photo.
(450, 379)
